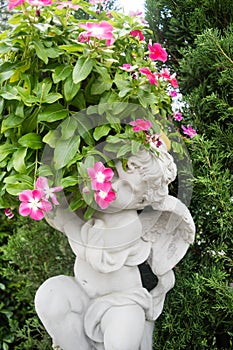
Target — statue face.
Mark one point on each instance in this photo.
(129, 186)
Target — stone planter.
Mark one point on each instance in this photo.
(105, 305)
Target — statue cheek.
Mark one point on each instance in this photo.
(124, 194)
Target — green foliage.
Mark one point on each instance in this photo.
(31, 253)
(50, 71)
(207, 78)
(177, 23)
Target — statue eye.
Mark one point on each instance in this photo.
(132, 166)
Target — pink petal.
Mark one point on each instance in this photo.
(46, 205)
(54, 199)
(37, 214)
(91, 173)
(99, 167)
(25, 195)
(24, 210)
(37, 194)
(111, 196)
(108, 173)
(101, 202)
(42, 183)
(102, 186)
(14, 3)
(57, 189)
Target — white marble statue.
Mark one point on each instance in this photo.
(105, 306)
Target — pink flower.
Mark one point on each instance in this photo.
(100, 176)
(140, 124)
(137, 33)
(189, 131)
(151, 76)
(69, 5)
(47, 192)
(83, 37)
(102, 31)
(40, 2)
(105, 196)
(154, 138)
(173, 81)
(173, 93)
(8, 213)
(177, 116)
(135, 13)
(157, 52)
(165, 73)
(127, 67)
(33, 204)
(13, 3)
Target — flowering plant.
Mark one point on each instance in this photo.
(76, 94)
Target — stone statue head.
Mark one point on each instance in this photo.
(145, 181)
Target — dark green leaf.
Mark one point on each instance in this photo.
(52, 113)
(101, 131)
(82, 69)
(61, 73)
(70, 89)
(65, 151)
(19, 159)
(31, 140)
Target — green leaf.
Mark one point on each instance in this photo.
(10, 93)
(5, 75)
(68, 127)
(82, 69)
(5, 150)
(10, 122)
(82, 170)
(70, 89)
(65, 151)
(17, 183)
(124, 150)
(135, 146)
(99, 86)
(101, 131)
(51, 98)
(41, 51)
(84, 128)
(19, 159)
(89, 162)
(113, 139)
(69, 181)
(52, 113)
(124, 92)
(61, 73)
(51, 138)
(110, 147)
(45, 170)
(78, 47)
(89, 213)
(88, 197)
(31, 140)
(53, 52)
(77, 202)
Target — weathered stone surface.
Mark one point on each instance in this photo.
(105, 305)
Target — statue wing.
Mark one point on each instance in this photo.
(170, 229)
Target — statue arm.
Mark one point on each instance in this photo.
(61, 217)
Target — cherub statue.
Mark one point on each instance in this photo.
(105, 306)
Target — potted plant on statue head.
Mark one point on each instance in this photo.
(69, 84)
